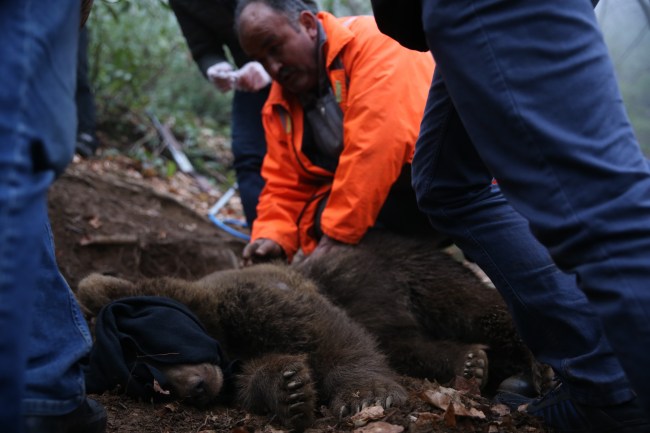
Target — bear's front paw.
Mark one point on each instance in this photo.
(376, 390)
(297, 410)
(283, 386)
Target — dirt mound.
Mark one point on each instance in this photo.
(105, 219)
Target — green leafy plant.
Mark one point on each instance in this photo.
(139, 61)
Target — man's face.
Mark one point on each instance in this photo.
(287, 52)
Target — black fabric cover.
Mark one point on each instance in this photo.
(402, 21)
(132, 335)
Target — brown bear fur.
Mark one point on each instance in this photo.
(427, 310)
(295, 345)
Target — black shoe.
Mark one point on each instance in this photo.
(518, 384)
(559, 411)
(511, 399)
(90, 417)
(86, 145)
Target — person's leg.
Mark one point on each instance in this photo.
(59, 339)
(249, 147)
(44, 335)
(22, 208)
(536, 91)
(454, 188)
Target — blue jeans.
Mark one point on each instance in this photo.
(249, 147)
(42, 332)
(530, 97)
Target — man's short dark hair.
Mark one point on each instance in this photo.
(290, 8)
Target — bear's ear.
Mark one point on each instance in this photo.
(97, 290)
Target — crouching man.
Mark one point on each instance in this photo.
(341, 123)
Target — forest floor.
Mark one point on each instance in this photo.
(111, 215)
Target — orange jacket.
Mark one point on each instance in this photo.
(382, 91)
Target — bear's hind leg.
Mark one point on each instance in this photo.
(476, 364)
(281, 385)
(438, 360)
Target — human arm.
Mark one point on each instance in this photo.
(287, 189)
(205, 28)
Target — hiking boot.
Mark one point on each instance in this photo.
(90, 417)
(86, 145)
(511, 399)
(518, 384)
(559, 411)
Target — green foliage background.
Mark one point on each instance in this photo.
(139, 60)
(626, 27)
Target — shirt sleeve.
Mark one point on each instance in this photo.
(286, 192)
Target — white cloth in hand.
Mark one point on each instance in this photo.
(223, 76)
(252, 77)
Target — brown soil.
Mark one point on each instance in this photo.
(107, 216)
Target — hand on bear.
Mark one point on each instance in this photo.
(262, 250)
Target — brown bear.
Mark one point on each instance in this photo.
(431, 315)
(296, 347)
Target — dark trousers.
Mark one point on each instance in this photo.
(399, 214)
(84, 97)
(249, 147)
(529, 96)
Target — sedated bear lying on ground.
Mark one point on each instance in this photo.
(430, 315)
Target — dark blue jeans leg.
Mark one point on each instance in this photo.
(249, 147)
(22, 206)
(39, 354)
(536, 91)
(454, 188)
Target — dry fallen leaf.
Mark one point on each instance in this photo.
(450, 416)
(171, 407)
(159, 389)
(380, 427)
(442, 397)
(423, 422)
(368, 414)
(500, 409)
(95, 222)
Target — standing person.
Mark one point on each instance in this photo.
(341, 123)
(208, 27)
(43, 335)
(525, 92)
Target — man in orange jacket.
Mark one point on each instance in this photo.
(341, 123)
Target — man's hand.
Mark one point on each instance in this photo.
(261, 250)
(325, 246)
(223, 76)
(252, 77)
